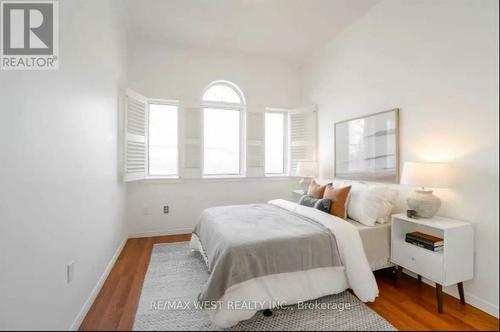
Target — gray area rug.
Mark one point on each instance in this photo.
(176, 274)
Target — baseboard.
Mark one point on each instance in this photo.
(175, 231)
(471, 299)
(88, 304)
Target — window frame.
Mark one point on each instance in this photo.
(167, 102)
(285, 142)
(241, 108)
(229, 84)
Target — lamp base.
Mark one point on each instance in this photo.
(424, 202)
(305, 182)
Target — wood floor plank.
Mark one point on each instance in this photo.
(422, 308)
(409, 307)
(95, 314)
(458, 315)
(400, 319)
(127, 319)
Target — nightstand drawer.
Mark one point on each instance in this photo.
(427, 263)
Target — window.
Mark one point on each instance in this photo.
(275, 143)
(222, 93)
(222, 129)
(163, 150)
(222, 142)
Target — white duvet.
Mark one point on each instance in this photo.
(295, 287)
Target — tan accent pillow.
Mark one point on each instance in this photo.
(316, 190)
(339, 197)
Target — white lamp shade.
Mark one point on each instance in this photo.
(432, 175)
(307, 169)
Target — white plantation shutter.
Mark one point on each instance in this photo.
(302, 124)
(255, 144)
(192, 154)
(135, 149)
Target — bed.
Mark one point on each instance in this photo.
(376, 244)
(261, 256)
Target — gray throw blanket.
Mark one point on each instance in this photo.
(244, 242)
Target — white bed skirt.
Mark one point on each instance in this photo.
(270, 291)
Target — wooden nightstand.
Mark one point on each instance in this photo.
(453, 265)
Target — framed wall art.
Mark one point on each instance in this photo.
(367, 148)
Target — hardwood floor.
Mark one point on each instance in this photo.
(116, 304)
(412, 306)
(409, 307)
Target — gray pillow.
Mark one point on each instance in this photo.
(322, 204)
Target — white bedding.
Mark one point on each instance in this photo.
(376, 243)
(292, 288)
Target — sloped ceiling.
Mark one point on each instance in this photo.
(288, 29)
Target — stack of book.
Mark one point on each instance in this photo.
(425, 241)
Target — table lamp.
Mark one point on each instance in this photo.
(308, 170)
(425, 175)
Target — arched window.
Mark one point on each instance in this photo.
(223, 104)
(223, 92)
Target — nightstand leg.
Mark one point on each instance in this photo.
(399, 269)
(461, 292)
(439, 296)
(419, 280)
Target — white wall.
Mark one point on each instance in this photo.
(61, 199)
(438, 62)
(145, 201)
(159, 71)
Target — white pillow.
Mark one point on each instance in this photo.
(370, 204)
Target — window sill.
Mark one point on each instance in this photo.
(223, 176)
(214, 179)
(162, 177)
(280, 175)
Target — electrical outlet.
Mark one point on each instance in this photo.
(166, 209)
(70, 272)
